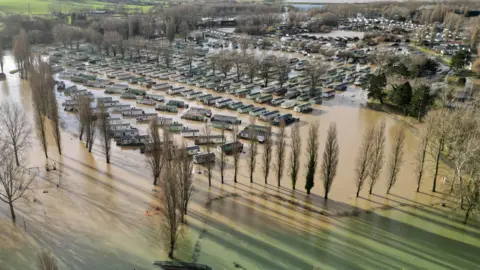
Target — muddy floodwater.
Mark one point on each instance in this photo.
(95, 218)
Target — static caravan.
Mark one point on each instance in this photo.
(204, 158)
(166, 108)
(303, 108)
(277, 101)
(176, 90)
(194, 95)
(194, 116)
(145, 118)
(230, 148)
(235, 105)
(257, 111)
(161, 86)
(328, 93)
(221, 125)
(177, 103)
(212, 101)
(269, 116)
(285, 118)
(193, 150)
(128, 95)
(204, 111)
(226, 119)
(288, 104)
(121, 126)
(158, 98)
(224, 102)
(119, 108)
(245, 109)
(132, 112)
(131, 131)
(264, 98)
(253, 96)
(138, 140)
(190, 133)
(145, 101)
(163, 121)
(243, 93)
(212, 139)
(186, 92)
(203, 97)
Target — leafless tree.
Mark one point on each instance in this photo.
(184, 170)
(14, 128)
(396, 159)
(170, 31)
(86, 120)
(330, 159)
(167, 55)
(21, 52)
(315, 71)
(222, 159)
(14, 180)
(244, 42)
(280, 145)
(235, 154)
(376, 163)
(83, 104)
(171, 214)
(312, 155)
(46, 261)
(253, 149)
(154, 156)
(439, 138)
(112, 40)
(184, 29)
(265, 67)
(283, 66)
(364, 158)
(52, 113)
(422, 154)
(104, 130)
(225, 63)
(94, 38)
(213, 62)
(252, 67)
(189, 54)
(238, 62)
(267, 153)
(2, 57)
(208, 132)
(295, 154)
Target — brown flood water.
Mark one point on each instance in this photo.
(95, 218)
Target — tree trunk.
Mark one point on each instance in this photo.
(308, 191)
(172, 247)
(235, 175)
(467, 214)
(16, 155)
(81, 133)
(358, 192)
(437, 161)
(12, 211)
(371, 189)
(108, 157)
(90, 145)
(251, 176)
(155, 179)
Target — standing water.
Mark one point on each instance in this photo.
(95, 218)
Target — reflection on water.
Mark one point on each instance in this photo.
(95, 218)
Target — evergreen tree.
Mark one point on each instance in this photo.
(402, 95)
(460, 59)
(421, 100)
(375, 85)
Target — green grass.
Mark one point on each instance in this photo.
(445, 59)
(43, 6)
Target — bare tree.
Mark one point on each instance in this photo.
(280, 145)
(225, 63)
(396, 159)
(253, 148)
(189, 54)
(52, 113)
(376, 163)
(330, 159)
(312, 155)
(222, 158)
(2, 57)
(283, 66)
(439, 137)
(82, 107)
(184, 29)
(235, 154)
(14, 128)
(252, 66)
(315, 71)
(208, 132)
(213, 62)
(112, 40)
(244, 42)
(184, 170)
(171, 220)
(21, 52)
(364, 158)
(295, 154)
(265, 67)
(238, 62)
(87, 120)
(170, 31)
(46, 261)
(167, 55)
(14, 180)
(422, 154)
(267, 153)
(104, 130)
(154, 155)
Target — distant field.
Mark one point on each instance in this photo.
(43, 6)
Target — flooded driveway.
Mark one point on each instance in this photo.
(95, 218)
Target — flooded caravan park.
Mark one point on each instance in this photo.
(95, 218)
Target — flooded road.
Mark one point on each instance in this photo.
(95, 218)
